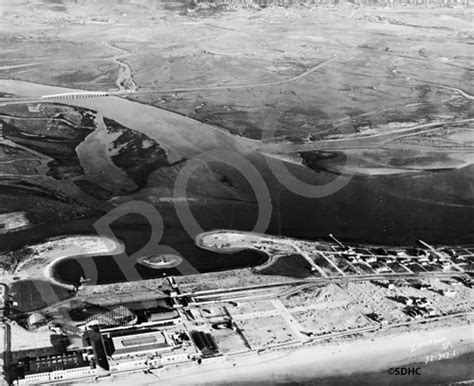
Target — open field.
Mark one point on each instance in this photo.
(359, 92)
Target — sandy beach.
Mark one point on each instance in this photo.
(318, 361)
(13, 221)
(42, 258)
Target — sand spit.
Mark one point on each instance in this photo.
(13, 221)
(37, 261)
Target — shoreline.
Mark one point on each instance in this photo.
(228, 241)
(13, 222)
(282, 238)
(44, 256)
(117, 248)
(320, 361)
(175, 261)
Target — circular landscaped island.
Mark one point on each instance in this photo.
(160, 261)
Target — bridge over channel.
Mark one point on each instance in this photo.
(76, 95)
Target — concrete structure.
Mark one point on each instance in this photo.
(75, 95)
(120, 346)
(55, 368)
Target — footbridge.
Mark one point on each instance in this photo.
(84, 94)
(76, 95)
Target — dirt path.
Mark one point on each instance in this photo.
(360, 141)
(455, 89)
(240, 86)
(125, 81)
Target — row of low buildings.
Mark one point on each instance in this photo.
(417, 307)
(72, 365)
(381, 261)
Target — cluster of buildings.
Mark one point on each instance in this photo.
(330, 259)
(55, 368)
(417, 307)
(143, 348)
(193, 326)
(107, 351)
(382, 260)
(106, 343)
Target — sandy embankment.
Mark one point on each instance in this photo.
(320, 361)
(13, 221)
(164, 261)
(230, 241)
(41, 259)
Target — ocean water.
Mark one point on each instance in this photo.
(444, 372)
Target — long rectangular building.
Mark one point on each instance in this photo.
(137, 343)
(55, 368)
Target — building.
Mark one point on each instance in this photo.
(162, 316)
(204, 342)
(54, 368)
(148, 341)
(134, 350)
(94, 337)
(3, 295)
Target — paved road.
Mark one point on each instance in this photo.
(241, 86)
(363, 142)
(329, 280)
